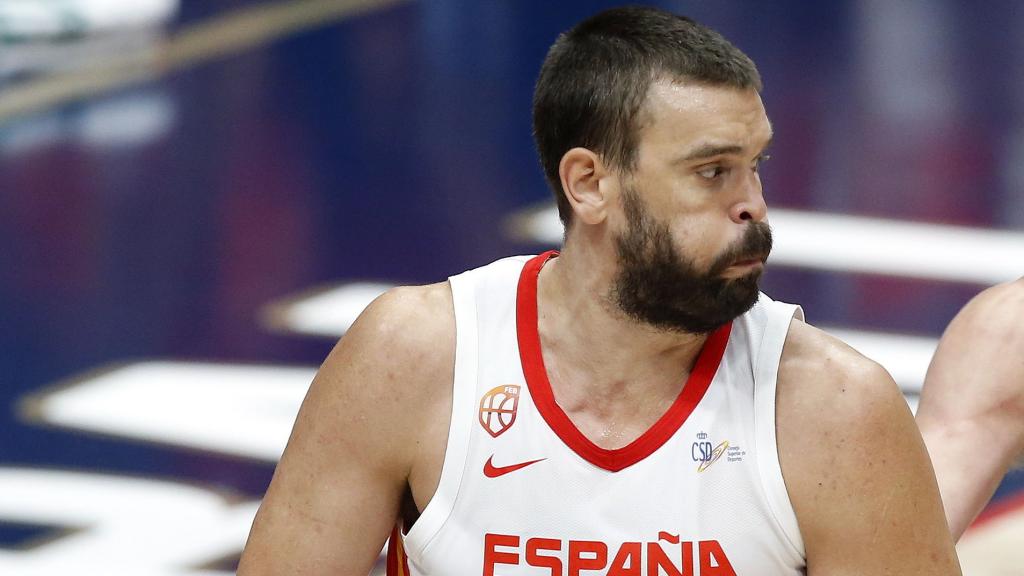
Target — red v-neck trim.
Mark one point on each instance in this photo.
(540, 388)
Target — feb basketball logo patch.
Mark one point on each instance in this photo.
(498, 409)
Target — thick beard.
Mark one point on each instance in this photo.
(659, 286)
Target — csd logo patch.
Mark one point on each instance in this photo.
(498, 409)
(706, 453)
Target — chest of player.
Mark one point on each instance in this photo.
(523, 492)
(536, 494)
(534, 501)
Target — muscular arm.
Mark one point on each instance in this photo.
(971, 413)
(360, 441)
(855, 467)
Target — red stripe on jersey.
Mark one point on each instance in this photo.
(397, 561)
(540, 388)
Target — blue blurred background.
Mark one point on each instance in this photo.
(177, 192)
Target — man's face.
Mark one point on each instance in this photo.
(693, 235)
(658, 285)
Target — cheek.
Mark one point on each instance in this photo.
(698, 241)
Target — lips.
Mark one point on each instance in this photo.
(749, 260)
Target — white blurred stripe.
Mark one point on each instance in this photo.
(328, 312)
(220, 36)
(857, 244)
(896, 248)
(21, 20)
(240, 410)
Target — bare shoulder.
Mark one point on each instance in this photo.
(408, 331)
(831, 396)
(384, 378)
(817, 367)
(854, 463)
(396, 363)
(371, 428)
(407, 315)
(832, 404)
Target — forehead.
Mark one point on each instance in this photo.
(681, 115)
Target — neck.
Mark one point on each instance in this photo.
(591, 348)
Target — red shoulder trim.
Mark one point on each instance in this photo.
(540, 388)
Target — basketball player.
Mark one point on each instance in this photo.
(971, 413)
(629, 406)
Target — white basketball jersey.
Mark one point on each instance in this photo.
(524, 492)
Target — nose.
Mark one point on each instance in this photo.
(750, 205)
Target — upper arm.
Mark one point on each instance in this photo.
(337, 489)
(980, 352)
(854, 464)
(973, 395)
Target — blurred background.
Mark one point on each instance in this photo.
(197, 197)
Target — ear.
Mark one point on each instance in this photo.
(586, 184)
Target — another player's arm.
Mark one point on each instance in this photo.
(855, 466)
(360, 433)
(971, 413)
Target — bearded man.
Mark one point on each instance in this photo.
(630, 405)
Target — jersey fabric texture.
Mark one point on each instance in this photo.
(523, 492)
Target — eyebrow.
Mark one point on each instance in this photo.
(710, 150)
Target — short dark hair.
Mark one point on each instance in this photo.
(596, 76)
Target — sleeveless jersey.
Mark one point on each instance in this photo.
(524, 492)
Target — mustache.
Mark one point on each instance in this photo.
(755, 244)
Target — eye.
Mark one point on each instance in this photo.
(760, 160)
(711, 172)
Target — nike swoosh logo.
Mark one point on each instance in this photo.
(492, 471)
